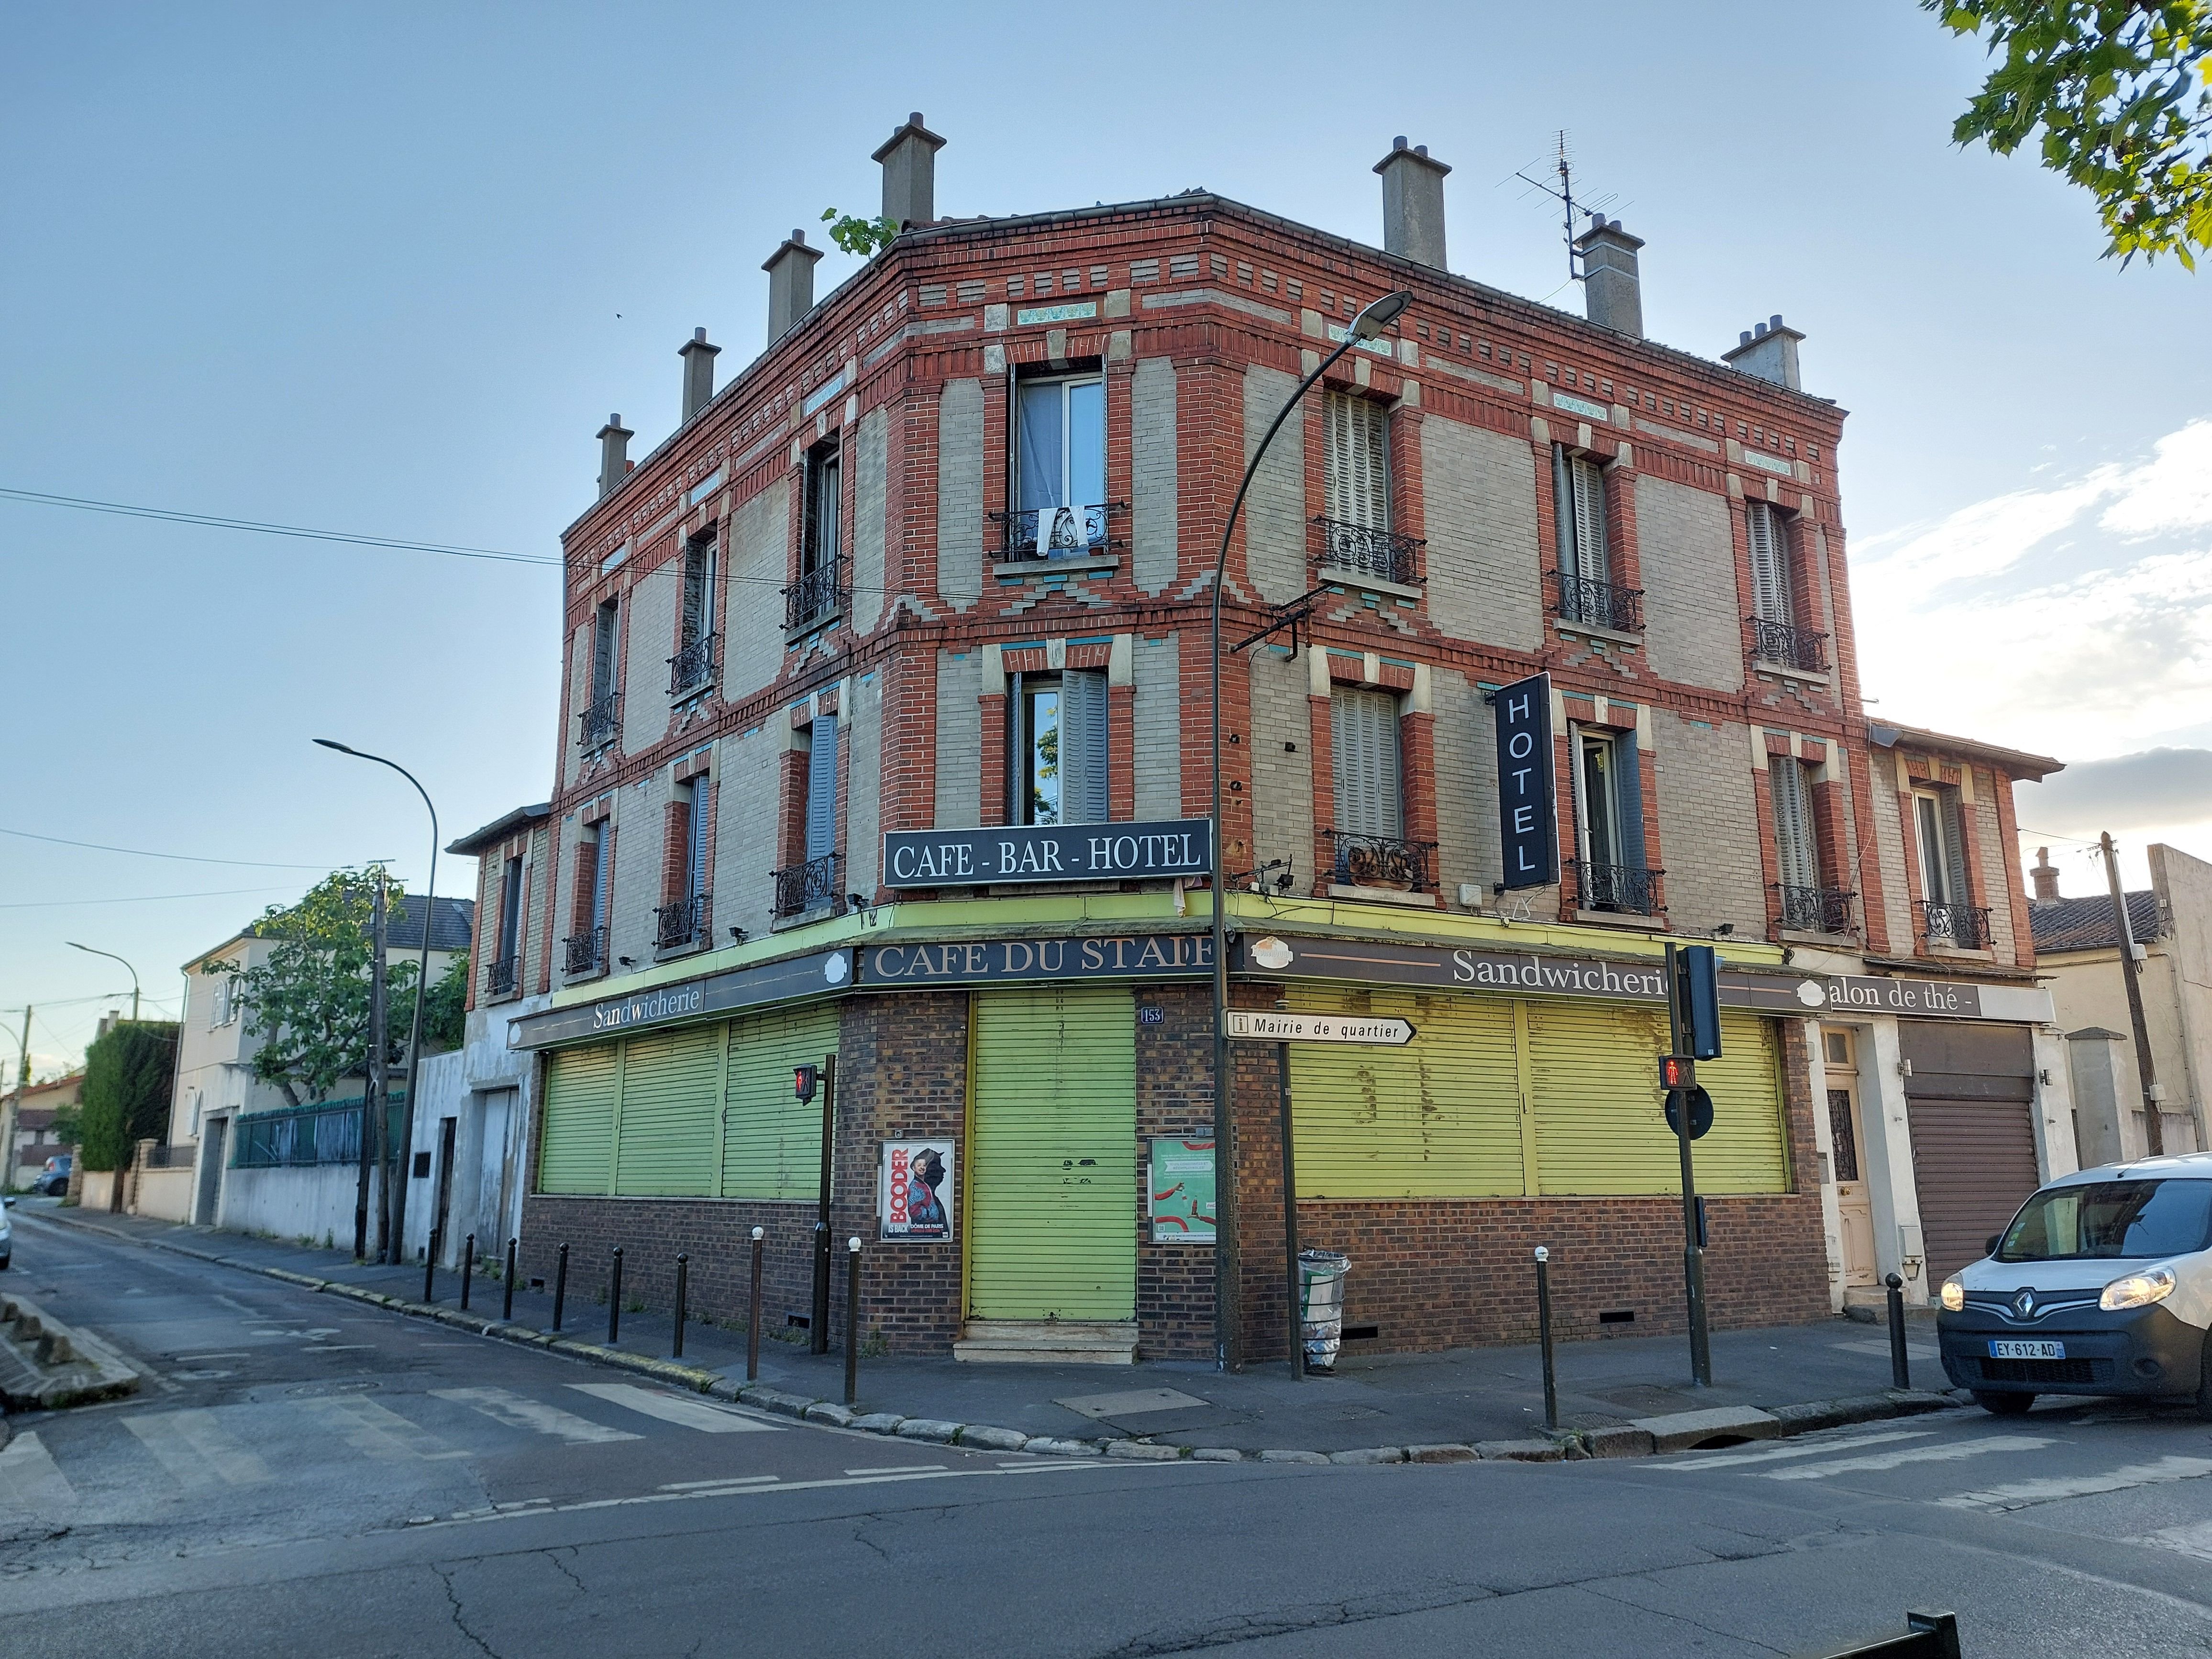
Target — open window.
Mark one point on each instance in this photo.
(1776, 635)
(600, 718)
(1060, 468)
(1057, 753)
(1948, 915)
(1586, 590)
(693, 665)
(1610, 869)
(820, 592)
(1809, 904)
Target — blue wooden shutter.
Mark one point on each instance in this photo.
(822, 787)
(1082, 747)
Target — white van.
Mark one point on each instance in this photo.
(2101, 1285)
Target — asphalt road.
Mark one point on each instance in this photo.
(303, 1475)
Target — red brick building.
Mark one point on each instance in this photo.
(925, 788)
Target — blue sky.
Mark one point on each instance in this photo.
(387, 268)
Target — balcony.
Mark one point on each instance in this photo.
(1596, 604)
(601, 721)
(1625, 888)
(1365, 551)
(686, 921)
(1956, 926)
(1788, 645)
(816, 596)
(1380, 861)
(692, 669)
(501, 977)
(1815, 909)
(809, 886)
(586, 952)
(1056, 533)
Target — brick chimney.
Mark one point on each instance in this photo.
(698, 372)
(910, 163)
(2044, 878)
(1768, 352)
(1613, 290)
(1412, 203)
(790, 284)
(614, 454)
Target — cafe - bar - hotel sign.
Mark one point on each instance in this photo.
(1016, 853)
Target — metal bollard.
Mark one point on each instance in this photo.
(429, 1267)
(560, 1286)
(614, 1301)
(506, 1297)
(468, 1268)
(682, 1296)
(852, 1318)
(1900, 1363)
(752, 1333)
(1544, 1335)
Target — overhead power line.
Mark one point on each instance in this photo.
(141, 898)
(141, 853)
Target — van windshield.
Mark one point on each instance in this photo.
(2121, 1218)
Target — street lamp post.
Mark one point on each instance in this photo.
(1229, 1336)
(112, 957)
(398, 1184)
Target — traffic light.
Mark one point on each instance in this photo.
(802, 1080)
(1677, 1071)
(1700, 993)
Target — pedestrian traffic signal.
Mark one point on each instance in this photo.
(802, 1080)
(1677, 1071)
(1701, 1111)
(1700, 993)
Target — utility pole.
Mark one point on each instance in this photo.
(15, 1104)
(2146, 1067)
(373, 1081)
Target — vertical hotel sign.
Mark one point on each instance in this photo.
(1528, 827)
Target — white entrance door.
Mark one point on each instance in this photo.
(1855, 1210)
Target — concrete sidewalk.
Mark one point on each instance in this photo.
(1807, 1375)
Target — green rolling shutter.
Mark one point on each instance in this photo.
(1439, 1118)
(771, 1140)
(667, 1143)
(1052, 1207)
(580, 1120)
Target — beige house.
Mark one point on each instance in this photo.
(2077, 950)
(28, 1135)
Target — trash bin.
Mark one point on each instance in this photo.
(1320, 1306)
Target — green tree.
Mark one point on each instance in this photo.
(129, 1073)
(307, 1002)
(2121, 91)
(445, 1008)
(865, 237)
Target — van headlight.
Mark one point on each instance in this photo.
(1954, 1294)
(2137, 1290)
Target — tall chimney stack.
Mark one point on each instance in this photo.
(1767, 352)
(1612, 287)
(698, 372)
(790, 284)
(2044, 878)
(614, 454)
(910, 163)
(1413, 203)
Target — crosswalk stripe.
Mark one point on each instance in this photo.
(29, 1479)
(2022, 1493)
(518, 1413)
(373, 1429)
(1943, 1454)
(1778, 1453)
(196, 1449)
(675, 1408)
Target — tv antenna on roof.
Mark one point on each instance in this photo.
(1560, 187)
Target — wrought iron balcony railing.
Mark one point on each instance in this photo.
(1596, 604)
(819, 594)
(1815, 909)
(693, 667)
(807, 886)
(1383, 554)
(586, 952)
(501, 977)
(1622, 887)
(1056, 533)
(1790, 645)
(686, 921)
(1966, 926)
(601, 720)
(1382, 861)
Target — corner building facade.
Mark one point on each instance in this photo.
(885, 739)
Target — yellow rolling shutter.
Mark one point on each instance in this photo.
(1439, 1118)
(666, 1144)
(1052, 1206)
(771, 1141)
(1746, 1150)
(580, 1120)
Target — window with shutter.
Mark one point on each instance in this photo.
(1356, 474)
(1955, 846)
(1578, 496)
(1363, 731)
(1082, 747)
(510, 909)
(824, 539)
(1793, 823)
(698, 619)
(603, 849)
(603, 651)
(1597, 799)
(1771, 596)
(1938, 859)
(695, 853)
(822, 787)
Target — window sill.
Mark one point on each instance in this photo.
(1336, 575)
(804, 919)
(1827, 941)
(1383, 896)
(1782, 671)
(1005, 568)
(691, 692)
(583, 978)
(1627, 919)
(828, 619)
(1956, 953)
(1569, 630)
(669, 952)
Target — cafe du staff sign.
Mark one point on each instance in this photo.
(1016, 853)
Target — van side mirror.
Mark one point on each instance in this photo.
(1990, 1248)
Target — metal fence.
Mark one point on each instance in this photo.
(299, 1138)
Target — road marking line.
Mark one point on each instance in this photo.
(676, 1409)
(337, 1347)
(726, 1481)
(30, 1479)
(2020, 1494)
(376, 1430)
(1772, 1454)
(902, 1469)
(196, 1449)
(231, 1353)
(1956, 1450)
(1913, 1350)
(518, 1413)
(2193, 1538)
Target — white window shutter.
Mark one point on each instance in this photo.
(1591, 561)
(1793, 823)
(1356, 461)
(1770, 565)
(822, 787)
(1364, 726)
(1955, 846)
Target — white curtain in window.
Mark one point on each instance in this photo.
(1355, 434)
(1363, 728)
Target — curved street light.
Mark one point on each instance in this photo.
(398, 1183)
(112, 957)
(1366, 327)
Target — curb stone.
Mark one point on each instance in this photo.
(934, 1428)
(1293, 1457)
(877, 1423)
(1143, 1451)
(1216, 1455)
(1521, 1451)
(1624, 1441)
(837, 1417)
(1449, 1452)
(992, 1439)
(1371, 1455)
(1045, 1445)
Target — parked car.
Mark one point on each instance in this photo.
(53, 1181)
(2101, 1285)
(7, 1235)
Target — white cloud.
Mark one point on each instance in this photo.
(2173, 492)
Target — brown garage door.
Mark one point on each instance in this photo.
(1971, 1094)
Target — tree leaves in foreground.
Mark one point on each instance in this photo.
(129, 1071)
(2121, 91)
